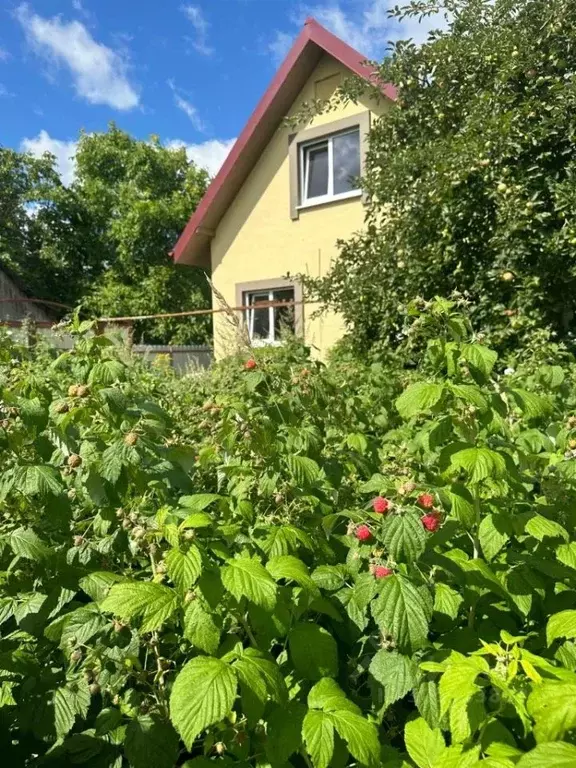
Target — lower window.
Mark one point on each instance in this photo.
(267, 324)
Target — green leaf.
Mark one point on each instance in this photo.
(291, 568)
(81, 625)
(360, 735)
(197, 520)
(446, 600)
(304, 470)
(328, 696)
(532, 406)
(25, 543)
(400, 611)
(357, 442)
(480, 358)
(203, 693)
(151, 743)
(396, 672)
(313, 651)
(418, 398)
(40, 479)
(330, 577)
(541, 528)
(200, 628)
(479, 463)
(404, 537)
(199, 501)
(184, 567)
(284, 731)
(555, 754)
(247, 577)
(492, 535)
(427, 701)
(553, 708)
(153, 602)
(461, 504)
(107, 372)
(107, 720)
(561, 624)
(69, 701)
(566, 553)
(423, 744)
(470, 393)
(318, 733)
(97, 584)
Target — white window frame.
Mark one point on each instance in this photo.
(271, 340)
(307, 202)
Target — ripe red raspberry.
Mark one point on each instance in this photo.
(363, 533)
(426, 500)
(380, 505)
(380, 571)
(249, 365)
(431, 521)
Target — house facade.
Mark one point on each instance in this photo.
(285, 196)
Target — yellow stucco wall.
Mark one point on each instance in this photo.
(257, 240)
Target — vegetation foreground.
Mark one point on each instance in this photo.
(282, 564)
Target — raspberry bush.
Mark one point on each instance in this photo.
(186, 579)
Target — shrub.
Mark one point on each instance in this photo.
(187, 579)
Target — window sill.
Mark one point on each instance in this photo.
(326, 200)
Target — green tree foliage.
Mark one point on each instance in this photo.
(471, 177)
(266, 566)
(105, 240)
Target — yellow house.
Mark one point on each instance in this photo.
(284, 197)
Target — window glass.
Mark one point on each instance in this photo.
(283, 316)
(346, 159)
(317, 170)
(259, 323)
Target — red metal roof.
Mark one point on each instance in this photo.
(312, 42)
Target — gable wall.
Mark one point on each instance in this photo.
(257, 240)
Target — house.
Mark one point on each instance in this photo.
(15, 306)
(285, 195)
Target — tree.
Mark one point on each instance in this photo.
(105, 240)
(139, 196)
(471, 178)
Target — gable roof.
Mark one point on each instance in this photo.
(310, 45)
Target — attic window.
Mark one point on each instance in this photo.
(330, 168)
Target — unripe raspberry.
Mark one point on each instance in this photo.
(138, 532)
(83, 391)
(220, 748)
(407, 488)
(62, 408)
(278, 499)
(126, 524)
(74, 460)
(94, 689)
(78, 541)
(76, 655)
(73, 390)
(189, 534)
(131, 438)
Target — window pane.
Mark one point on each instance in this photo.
(346, 148)
(283, 316)
(259, 318)
(316, 159)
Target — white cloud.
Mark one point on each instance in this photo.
(280, 46)
(189, 109)
(4, 91)
(209, 154)
(64, 152)
(368, 28)
(4, 55)
(99, 73)
(196, 18)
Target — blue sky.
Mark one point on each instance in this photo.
(190, 72)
